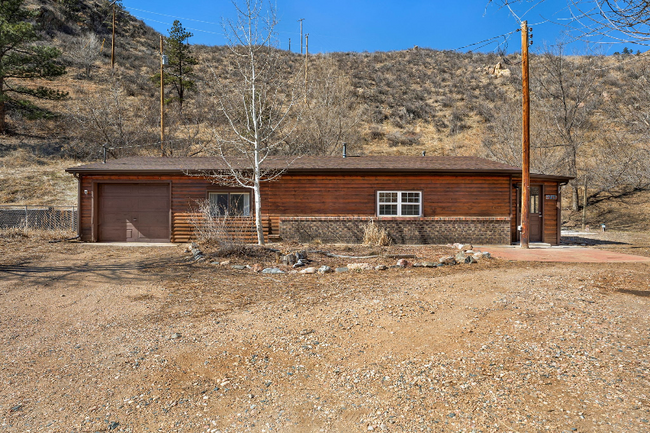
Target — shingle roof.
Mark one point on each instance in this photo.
(448, 164)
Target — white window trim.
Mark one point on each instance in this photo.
(399, 204)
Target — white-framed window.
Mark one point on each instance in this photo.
(234, 204)
(399, 203)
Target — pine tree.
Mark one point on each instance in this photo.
(22, 59)
(178, 72)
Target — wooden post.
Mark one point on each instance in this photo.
(584, 205)
(162, 100)
(306, 62)
(525, 143)
(301, 20)
(113, 41)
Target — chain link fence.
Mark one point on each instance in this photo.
(38, 217)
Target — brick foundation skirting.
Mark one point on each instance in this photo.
(429, 230)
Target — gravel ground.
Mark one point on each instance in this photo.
(142, 339)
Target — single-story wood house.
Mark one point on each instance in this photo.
(417, 199)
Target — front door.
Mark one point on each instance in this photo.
(536, 225)
(536, 214)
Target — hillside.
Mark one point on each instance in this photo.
(588, 112)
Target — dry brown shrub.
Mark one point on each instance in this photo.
(228, 232)
(375, 236)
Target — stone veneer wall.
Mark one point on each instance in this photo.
(426, 230)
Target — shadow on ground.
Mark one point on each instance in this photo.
(581, 240)
(32, 273)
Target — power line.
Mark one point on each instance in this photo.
(172, 16)
(485, 42)
(169, 24)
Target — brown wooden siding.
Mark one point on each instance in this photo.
(550, 213)
(342, 195)
(345, 195)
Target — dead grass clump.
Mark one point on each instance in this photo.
(18, 233)
(373, 235)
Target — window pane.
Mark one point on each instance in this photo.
(239, 204)
(218, 203)
(534, 199)
(411, 209)
(410, 197)
(387, 197)
(387, 209)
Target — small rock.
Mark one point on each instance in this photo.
(215, 263)
(403, 263)
(460, 257)
(381, 267)
(429, 265)
(113, 425)
(470, 259)
(239, 267)
(225, 262)
(324, 270)
(176, 336)
(342, 269)
(310, 270)
(257, 267)
(299, 264)
(449, 260)
(16, 408)
(360, 266)
(289, 259)
(272, 271)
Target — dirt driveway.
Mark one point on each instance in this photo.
(143, 339)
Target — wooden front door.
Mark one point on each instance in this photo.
(132, 212)
(536, 223)
(536, 214)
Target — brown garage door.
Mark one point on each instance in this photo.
(133, 212)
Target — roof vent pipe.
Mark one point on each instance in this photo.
(345, 150)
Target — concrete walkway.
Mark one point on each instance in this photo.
(538, 253)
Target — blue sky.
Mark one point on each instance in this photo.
(382, 25)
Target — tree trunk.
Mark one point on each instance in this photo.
(258, 209)
(2, 107)
(575, 204)
(584, 206)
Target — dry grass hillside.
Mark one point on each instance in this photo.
(589, 112)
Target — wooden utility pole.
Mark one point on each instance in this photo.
(162, 99)
(289, 44)
(306, 62)
(525, 150)
(301, 20)
(113, 41)
(584, 205)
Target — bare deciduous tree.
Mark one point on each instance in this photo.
(567, 97)
(257, 106)
(86, 51)
(330, 113)
(104, 120)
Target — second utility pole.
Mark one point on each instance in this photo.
(525, 142)
(113, 41)
(301, 20)
(162, 99)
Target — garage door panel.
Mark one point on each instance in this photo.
(152, 225)
(133, 212)
(153, 204)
